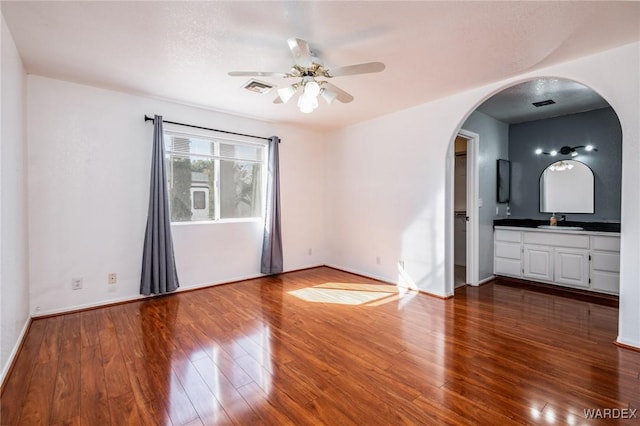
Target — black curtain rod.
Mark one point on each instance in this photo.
(147, 118)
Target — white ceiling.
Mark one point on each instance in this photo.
(183, 50)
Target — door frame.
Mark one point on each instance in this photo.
(472, 255)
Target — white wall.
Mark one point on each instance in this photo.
(89, 153)
(14, 292)
(387, 179)
(493, 144)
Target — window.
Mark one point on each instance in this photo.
(212, 179)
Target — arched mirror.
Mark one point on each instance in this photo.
(567, 186)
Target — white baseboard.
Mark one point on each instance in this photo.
(364, 274)
(14, 352)
(486, 280)
(630, 343)
(133, 298)
(387, 280)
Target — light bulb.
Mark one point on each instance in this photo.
(312, 89)
(588, 148)
(306, 108)
(554, 152)
(307, 103)
(539, 151)
(574, 153)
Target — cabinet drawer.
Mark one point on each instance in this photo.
(553, 239)
(509, 236)
(508, 250)
(509, 267)
(605, 261)
(605, 282)
(599, 242)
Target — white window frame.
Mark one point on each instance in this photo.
(216, 157)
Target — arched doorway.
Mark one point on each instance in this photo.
(538, 114)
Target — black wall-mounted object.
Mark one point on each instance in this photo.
(503, 184)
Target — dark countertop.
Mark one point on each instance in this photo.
(533, 223)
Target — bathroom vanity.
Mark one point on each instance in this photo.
(578, 258)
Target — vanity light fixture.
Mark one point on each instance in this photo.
(566, 150)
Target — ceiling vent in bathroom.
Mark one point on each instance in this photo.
(543, 103)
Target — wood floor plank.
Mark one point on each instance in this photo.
(16, 388)
(227, 395)
(89, 328)
(115, 372)
(361, 352)
(254, 395)
(66, 394)
(203, 400)
(94, 405)
(38, 403)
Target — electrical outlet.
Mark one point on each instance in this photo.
(310, 252)
(377, 260)
(113, 278)
(76, 283)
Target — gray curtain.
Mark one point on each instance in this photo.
(159, 273)
(272, 240)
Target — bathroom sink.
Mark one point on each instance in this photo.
(562, 228)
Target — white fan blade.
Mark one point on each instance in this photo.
(341, 95)
(365, 68)
(258, 74)
(301, 52)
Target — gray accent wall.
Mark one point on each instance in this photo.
(494, 144)
(600, 128)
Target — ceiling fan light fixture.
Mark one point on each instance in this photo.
(286, 93)
(307, 103)
(307, 68)
(306, 108)
(328, 95)
(312, 89)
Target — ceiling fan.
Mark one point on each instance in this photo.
(308, 68)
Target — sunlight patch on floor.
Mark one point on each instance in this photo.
(351, 294)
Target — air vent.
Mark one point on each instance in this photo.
(543, 103)
(258, 86)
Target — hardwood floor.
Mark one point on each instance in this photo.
(325, 347)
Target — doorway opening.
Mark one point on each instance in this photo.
(460, 212)
(464, 192)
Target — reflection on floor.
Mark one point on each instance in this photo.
(459, 275)
(287, 350)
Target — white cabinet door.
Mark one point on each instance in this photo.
(538, 263)
(571, 267)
